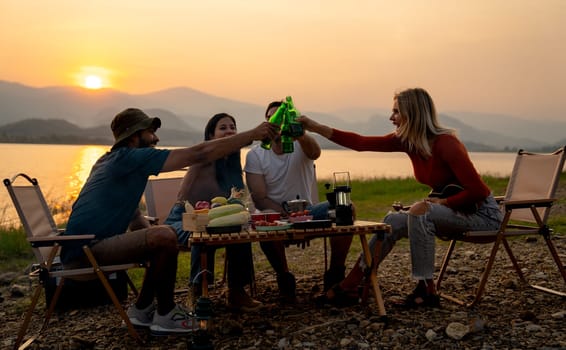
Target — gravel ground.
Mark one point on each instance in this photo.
(510, 316)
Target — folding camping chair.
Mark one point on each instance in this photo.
(46, 239)
(526, 207)
(160, 194)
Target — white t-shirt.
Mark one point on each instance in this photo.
(286, 175)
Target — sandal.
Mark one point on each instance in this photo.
(341, 298)
(420, 298)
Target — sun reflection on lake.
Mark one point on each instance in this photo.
(81, 169)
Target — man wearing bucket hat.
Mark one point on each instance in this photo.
(130, 121)
(107, 207)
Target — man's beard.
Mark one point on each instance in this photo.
(143, 143)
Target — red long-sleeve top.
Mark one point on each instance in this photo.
(449, 164)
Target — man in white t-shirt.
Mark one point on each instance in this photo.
(274, 177)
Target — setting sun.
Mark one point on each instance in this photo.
(92, 82)
(93, 78)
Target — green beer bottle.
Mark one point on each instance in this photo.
(295, 129)
(277, 119)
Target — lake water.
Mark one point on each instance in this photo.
(62, 169)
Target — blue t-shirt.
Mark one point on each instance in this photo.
(111, 195)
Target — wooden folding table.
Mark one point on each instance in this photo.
(360, 228)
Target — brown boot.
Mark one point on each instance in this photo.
(333, 276)
(287, 288)
(239, 300)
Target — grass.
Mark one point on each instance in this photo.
(372, 198)
(15, 252)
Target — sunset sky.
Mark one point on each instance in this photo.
(494, 56)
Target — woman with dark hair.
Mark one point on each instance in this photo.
(439, 159)
(203, 182)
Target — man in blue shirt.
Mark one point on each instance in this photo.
(107, 207)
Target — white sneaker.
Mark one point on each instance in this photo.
(140, 318)
(178, 320)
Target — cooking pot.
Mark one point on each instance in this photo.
(295, 205)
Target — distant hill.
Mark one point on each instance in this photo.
(75, 115)
(57, 131)
(537, 129)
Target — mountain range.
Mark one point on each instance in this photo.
(73, 115)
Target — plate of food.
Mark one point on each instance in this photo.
(300, 218)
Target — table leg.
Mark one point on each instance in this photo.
(370, 260)
(204, 269)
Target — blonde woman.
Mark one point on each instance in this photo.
(439, 160)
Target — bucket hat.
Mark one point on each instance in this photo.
(129, 121)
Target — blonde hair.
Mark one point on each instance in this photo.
(421, 122)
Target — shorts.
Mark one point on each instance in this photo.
(123, 248)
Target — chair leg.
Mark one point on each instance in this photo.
(556, 259)
(47, 316)
(52, 304)
(487, 270)
(481, 287)
(559, 264)
(483, 281)
(442, 272)
(118, 306)
(35, 298)
(112, 295)
(27, 318)
(444, 265)
(514, 261)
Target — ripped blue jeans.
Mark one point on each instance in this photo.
(423, 229)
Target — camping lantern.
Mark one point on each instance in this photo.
(342, 191)
(203, 314)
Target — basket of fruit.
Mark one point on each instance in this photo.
(220, 215)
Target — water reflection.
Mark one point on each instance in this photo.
(81, 169)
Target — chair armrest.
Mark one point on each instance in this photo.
(527, 203)
(499, 199)
(59, 239)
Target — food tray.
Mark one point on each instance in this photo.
(312, 224)
(224, 229)
(273, 228)
(300, 218)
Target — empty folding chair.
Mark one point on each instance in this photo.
(526, 207)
